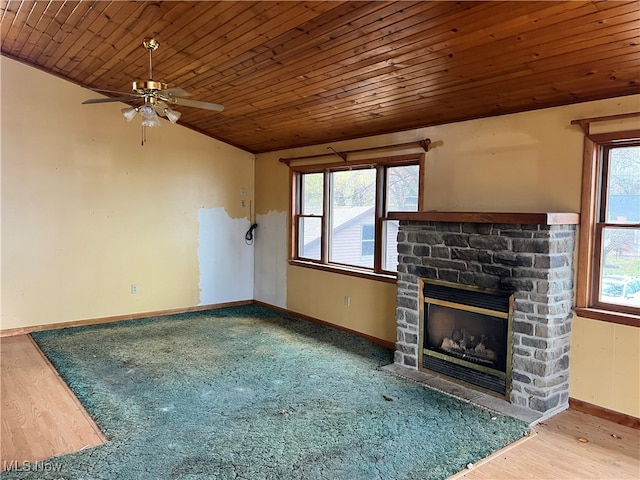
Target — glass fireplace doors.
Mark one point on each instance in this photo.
(466, 334)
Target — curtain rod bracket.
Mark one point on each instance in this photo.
(585, 123)
(343, 156)
(425, 144)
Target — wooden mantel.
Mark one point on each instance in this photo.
(544, 218)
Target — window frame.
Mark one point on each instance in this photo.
(592, 224)
(380, 215)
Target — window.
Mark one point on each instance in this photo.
(609, 286)
(310, 216)
(368, 240)
(339, 214)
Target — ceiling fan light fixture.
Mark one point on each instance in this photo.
(129, 113)
(147, 110)
(172, 115)
(151, 121)
(149, 116)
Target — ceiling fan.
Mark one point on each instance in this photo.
(156, 97)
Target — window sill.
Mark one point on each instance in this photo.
(608, 316)
(354, 272)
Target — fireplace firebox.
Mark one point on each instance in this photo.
(466, 334)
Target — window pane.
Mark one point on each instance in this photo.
(309, 239)
(390, 247)
(368, 239)
(402, 188)
(623, 193)
(353, 195)
(312, 194)
(368, 231)
(620, 279)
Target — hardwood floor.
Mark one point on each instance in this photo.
(557, 450)
(41, 418)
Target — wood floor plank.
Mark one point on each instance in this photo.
(555, 451)
(40, 417)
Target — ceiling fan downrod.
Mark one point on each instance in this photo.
(149, 86)
(150, 44)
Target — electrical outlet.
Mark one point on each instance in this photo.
(242, 203)
(134, 289)
(347, 300)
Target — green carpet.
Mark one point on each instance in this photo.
(247, 393)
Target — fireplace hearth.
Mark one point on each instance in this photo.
(526, 257)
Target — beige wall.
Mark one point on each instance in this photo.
(525, 162)
(87, 211)
(605, 365)
(371, 303)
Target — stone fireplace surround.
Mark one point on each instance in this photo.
(530, 254)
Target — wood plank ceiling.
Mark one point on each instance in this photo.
(299, 73)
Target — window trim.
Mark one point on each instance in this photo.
(587, 302)
(380, 164)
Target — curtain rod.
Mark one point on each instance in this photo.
(585, 123)
(424, 144)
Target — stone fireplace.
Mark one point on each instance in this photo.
(528, 257)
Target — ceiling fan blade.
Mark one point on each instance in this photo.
(159, 107)
(108, 100)
(112, 91)
(216, 107)
(174, 92)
